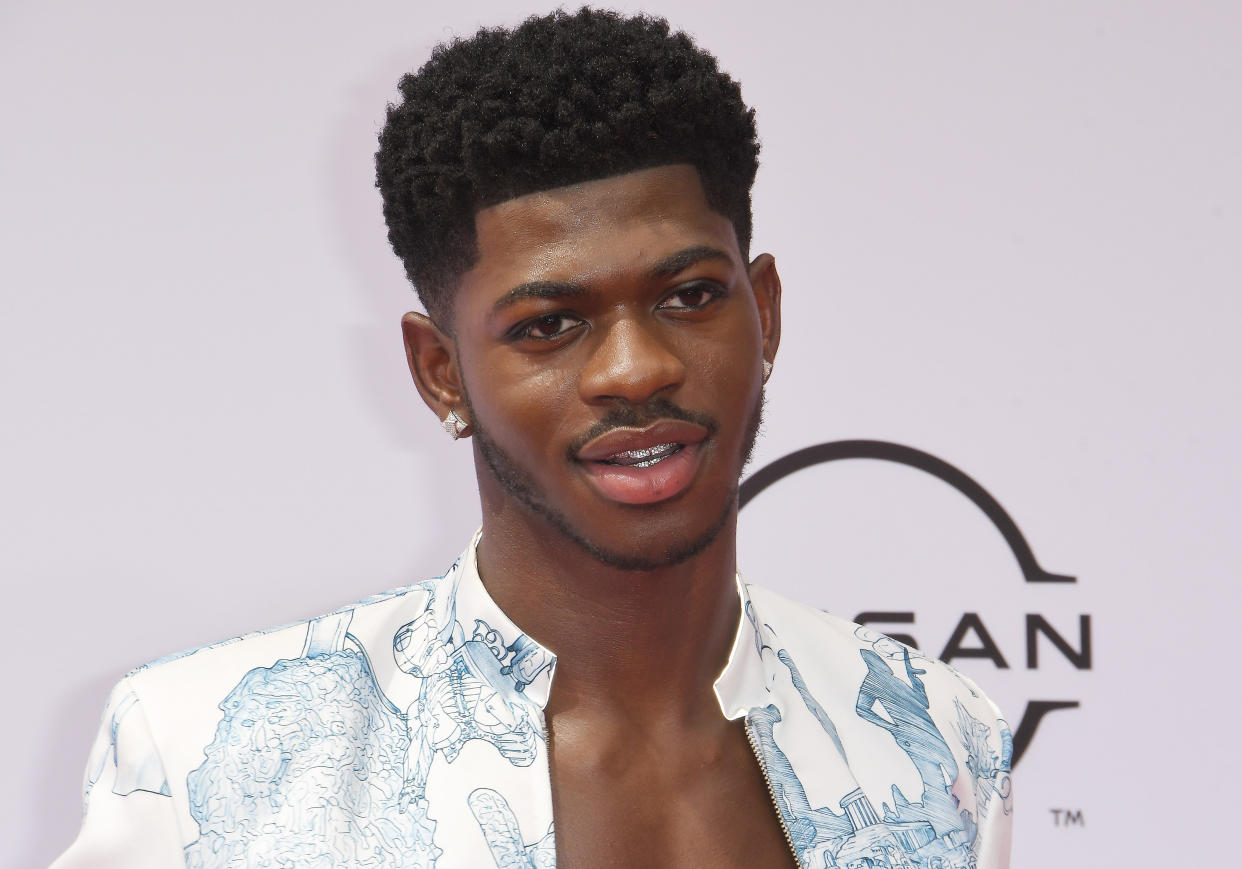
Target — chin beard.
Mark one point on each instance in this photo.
(517, 484)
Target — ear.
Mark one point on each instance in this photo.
(766, 284)
(432, 357)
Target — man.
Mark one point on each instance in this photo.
(590, 684)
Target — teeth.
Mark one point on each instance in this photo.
(644, 458)
(639, 455)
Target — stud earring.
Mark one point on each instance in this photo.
(454, 424)
(767, 370)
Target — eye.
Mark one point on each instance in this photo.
(692, 297)
(547, 328)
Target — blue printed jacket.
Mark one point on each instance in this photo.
(408, 730)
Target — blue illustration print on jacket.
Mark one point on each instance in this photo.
(312, 765)
(470, 689)
(504, 838)
(906, 718)
(305, 768)
(932, 833)
(990, 772)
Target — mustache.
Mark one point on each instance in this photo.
(639, 416)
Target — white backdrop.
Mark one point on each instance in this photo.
(1010, 236)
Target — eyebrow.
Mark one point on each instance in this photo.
(685, 258)
(539, 290)
(665, 268)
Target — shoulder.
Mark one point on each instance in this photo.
(252, 727)
(868, 661)
(293, 640)
(188, 700)
(930, 748)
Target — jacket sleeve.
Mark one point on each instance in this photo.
(996, 828)
(993, 762)
(130, 818)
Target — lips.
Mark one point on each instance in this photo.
(644, 465)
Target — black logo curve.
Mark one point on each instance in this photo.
(885, 451)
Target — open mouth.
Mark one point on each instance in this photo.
(644, 465)
(644, 458)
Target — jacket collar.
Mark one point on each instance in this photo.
(527, 666)
(745, 683)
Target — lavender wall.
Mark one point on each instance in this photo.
(1009, 235)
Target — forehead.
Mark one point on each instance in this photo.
(593, 231)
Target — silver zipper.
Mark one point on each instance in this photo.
(547, 756)
(780, 817)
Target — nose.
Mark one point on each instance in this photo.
(631, 362)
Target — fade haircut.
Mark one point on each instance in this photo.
(561, 99)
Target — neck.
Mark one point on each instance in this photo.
(644, 644)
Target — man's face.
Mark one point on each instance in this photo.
(610, 340)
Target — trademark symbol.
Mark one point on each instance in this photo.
(1067, 818)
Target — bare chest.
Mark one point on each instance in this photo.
(647, 810)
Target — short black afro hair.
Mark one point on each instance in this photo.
(560, 99)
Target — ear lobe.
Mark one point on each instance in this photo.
(766, 284)
(432, 358)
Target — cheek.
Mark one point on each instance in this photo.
(519, 402)
(728, 365)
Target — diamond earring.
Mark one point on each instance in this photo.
(454, 424)
(767, 370)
